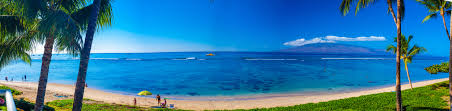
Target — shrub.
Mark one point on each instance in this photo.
(28, 106)
(441, 85)
(13, 91)
(434, 69)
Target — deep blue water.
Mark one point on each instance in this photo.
(227, 73)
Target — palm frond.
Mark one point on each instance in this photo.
(71, 5)
(346, 4)
(30, 8)
(11, 25)
(416, 50)
(16, 47)
(433, 15)
(65, 29)
(391, 48)
(104, 19)
(405, 49)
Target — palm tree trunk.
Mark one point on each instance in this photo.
(445, 26)
(399, 35)
(450, 66)
(392, 11)
(84, 58)
(46, 57)
(408, 74)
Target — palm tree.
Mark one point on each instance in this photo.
(444, 8)
(55, 22)
(60, 24)
(98, 8)
(436, 7)
(14, 36)
(345, 8)
(407, 52)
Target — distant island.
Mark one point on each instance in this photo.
(334, 48)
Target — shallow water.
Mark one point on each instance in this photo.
(227, 73)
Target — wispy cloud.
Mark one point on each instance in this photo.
(332, 39)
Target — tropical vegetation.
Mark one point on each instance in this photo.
(443, 7)
(58, 23)
(407, 52)
(13, 91)
(99, 10)
(434, 69)
(437, 7)
(345, 8)
(428, 98)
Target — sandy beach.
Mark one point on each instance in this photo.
(29, 89)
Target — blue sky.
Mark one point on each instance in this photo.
(256, 25)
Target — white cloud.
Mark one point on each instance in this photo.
(332, 39)
(302, 41)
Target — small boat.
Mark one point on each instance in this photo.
(210, 54)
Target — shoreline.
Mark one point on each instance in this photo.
(214, 103)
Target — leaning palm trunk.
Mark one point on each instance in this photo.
(450, 65)
(399, 34)
(47, 56)
(444, 23)
(84, 58)
(408, 74)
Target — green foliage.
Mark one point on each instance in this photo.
(407, 51)
(13, 91)
(28, 106)
(422, 98)
(441, 85)
(427, 98)
(66, 105)
(26, 22)
(434, 69)
(344, 8)
(435, 7)
(3, 108)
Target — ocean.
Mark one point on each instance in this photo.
(227, 73)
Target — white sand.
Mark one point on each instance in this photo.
(275, 100)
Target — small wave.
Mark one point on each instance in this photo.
(132, 59)
(179, 59)
(355, 58)
(270, 59)
(188, 58)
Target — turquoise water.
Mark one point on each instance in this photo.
(227, 73)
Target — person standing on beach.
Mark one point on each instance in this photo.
(134, 101)
(158, 99)
(25, 77)
(6, 78)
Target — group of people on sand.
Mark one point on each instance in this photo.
(158, 98)
(163, 105)
(24, 78)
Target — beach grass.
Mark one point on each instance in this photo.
(13, 91)
(91, 105)
(428, 98)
